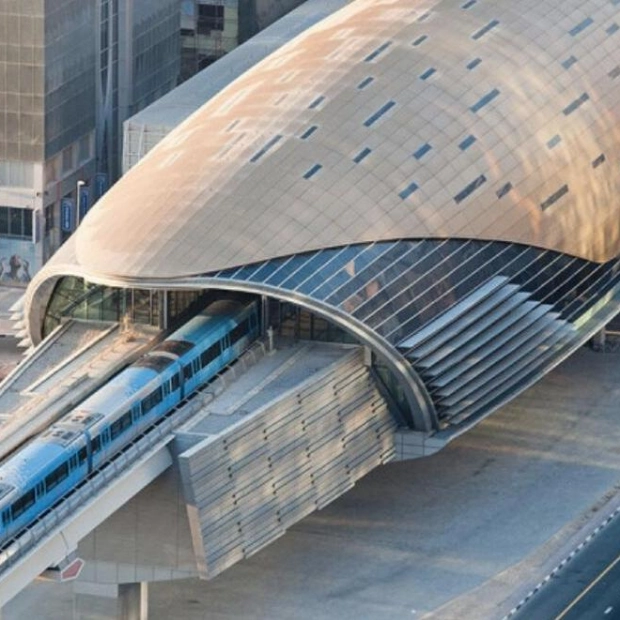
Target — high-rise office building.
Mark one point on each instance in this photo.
(212, 28)
(70, 72)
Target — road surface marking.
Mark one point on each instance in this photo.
(592, 584)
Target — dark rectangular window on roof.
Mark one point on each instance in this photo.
(265, 148)
(571, 107)
(554, 197)
(306, 134)
(569, 62)
(480, 33)
(474, 63)
(503, 190)
(419, 40)
(580, 27)
(427, 73)
(424, 16)
(365, 82)
(554, 141)
(598, 161)
(614, 73)
(612, 28)
(365, 152)
(469, 4)
(485, 100)
(465, 144)
(378, 51)
(312, 171)
(317, 102)
(469, 189)
(373, 118)
(405, 193)
(422, 150)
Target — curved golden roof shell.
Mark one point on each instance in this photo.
(390, 119)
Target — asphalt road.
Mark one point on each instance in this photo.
(587, 588)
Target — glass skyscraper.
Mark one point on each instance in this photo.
(70, 72)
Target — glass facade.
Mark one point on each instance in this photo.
(69, 74)
(477, 321)
(397, 287)
(22, 82)
(135, 70)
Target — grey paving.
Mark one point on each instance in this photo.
(461, 534)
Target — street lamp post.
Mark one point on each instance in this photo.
(79, 186)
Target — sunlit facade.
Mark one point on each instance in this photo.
(436, 181)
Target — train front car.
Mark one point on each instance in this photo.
(38, 475)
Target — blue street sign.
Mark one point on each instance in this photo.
(67, 214)
(101, 184)
(84, 200)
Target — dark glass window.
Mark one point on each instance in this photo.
(152, 400)
(210, 17)
(16, 222)
(123, 423)
(57, 476)
(23, 503)
(206, 357)
(188, 372)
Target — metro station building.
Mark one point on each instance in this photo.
(437, 181)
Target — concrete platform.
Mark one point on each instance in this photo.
(461, 534)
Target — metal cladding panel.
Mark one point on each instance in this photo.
(447, 119)
(303, 452)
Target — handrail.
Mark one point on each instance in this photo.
(153, 439)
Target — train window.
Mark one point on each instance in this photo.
(82, 455)
(6, 517)
(206, 357)
(23, 503)
(96, 444)
(239, 331)
(124, 422)
(175, 382)
(57, 476)
(153, 399)
(188, 372)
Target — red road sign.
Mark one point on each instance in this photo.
(72, 570)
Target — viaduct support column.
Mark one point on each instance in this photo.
(133, 601)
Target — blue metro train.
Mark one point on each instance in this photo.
(36, 476)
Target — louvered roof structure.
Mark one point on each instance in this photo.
(438, 177)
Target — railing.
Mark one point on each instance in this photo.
(152, 440)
